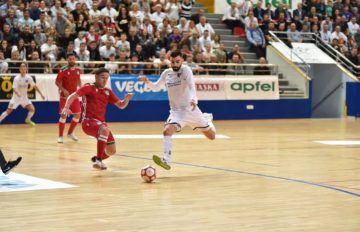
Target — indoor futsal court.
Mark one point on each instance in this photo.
(258, 175)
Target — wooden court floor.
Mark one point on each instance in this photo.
(268, 175)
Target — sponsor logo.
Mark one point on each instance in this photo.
(253, 87)
(135, 86)
(207, 87)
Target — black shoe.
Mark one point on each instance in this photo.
(93, 159)
(10, 165)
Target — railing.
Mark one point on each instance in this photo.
(210, 69)
(301, 63)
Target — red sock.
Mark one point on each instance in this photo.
(72, 126)
(101, 145)
(61, 129)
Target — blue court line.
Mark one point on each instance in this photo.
(258, 174)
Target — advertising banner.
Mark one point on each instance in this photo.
(254, 88)
(121, 84)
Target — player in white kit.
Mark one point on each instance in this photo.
(180, 84)
(20, 97)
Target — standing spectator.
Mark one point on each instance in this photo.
(186, 6)
(172, 9)
(256, 38)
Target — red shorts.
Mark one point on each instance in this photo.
(91, 127)
(75, 107)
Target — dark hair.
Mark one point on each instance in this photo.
(101, 70)
(176, 53)
(70, 54)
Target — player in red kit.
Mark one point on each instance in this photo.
(95, 98)
(68, 80)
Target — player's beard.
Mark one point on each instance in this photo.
(175, 69)
(72, 64)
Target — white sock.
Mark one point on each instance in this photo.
(212, 126)
(29, 115)
(167, 148)
(3, 116)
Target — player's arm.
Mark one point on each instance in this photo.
(58, 83)
(38, 90)
(191, 85)
(69, 100)
(15, 87)
(154, 86)
(122, 104)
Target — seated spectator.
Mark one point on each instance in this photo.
(107, 36)
(27, 35)
(147, 26)
(192, 28)
(235, 70)
(39, 37)
(196, 17)
(70, 49)
(6, 49)
(250, 19)
(325, 34)
(20, 47)
(337, 34)
(13, 22)
(123, 45)
(353, 26)
(3, 64)
(33, 47)
(357, 37)
(158, 17)
(139, 52)
(42, 23)
(202, 26)
(64, 40)
(232, 17)
(94, 55)
(135, 12)
(34, 66)
(194, 67)
(122, 21)
(135, 68)
(106, 50)
(164, 28)
(81, 24)
(259, 11)
(354, 57)
(83, 54)
(123, 68)
(236, 50)
(261, 69)
(306, 37)
(97, 24)
(79, 40)
(221, 54)
(148, 67)
(6, 34)
(293, 35)
(204, 39)
(15, 62)
(108, 10)
(162, 62)
(92, 35)
(213, 69)
(175, 37)
(49, 50)
(207, 53)
(112, 67)
(183, 25)
(133, 39)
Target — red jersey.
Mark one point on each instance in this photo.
(69, 78)
(95, 101)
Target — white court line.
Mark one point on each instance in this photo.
(18, 182)
(160, 136)
(339, 142)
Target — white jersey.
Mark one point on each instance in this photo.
(21, 85)
(180, 86)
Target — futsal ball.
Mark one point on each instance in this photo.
(148, 173)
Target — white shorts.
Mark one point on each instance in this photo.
(14, 103)
(194, 119)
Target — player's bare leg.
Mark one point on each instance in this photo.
(74, 122)
(165, 162)
(62, 122)
(4, 114)
(30, 114)
(211, 132)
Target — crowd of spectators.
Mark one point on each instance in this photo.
(336, 23)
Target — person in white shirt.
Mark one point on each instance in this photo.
(203, 25)
(20, 95)
(49, 49)
(83, 54)
(232, 17)
(180, 84)
(109, 11)
(157, 17)
(94, 11)
(79, 40)
(172, 9)
(353, 26)
(183, 25)
(123, 45)
(204, 39)
(112, 67)
(337, 34)
(106, 50)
